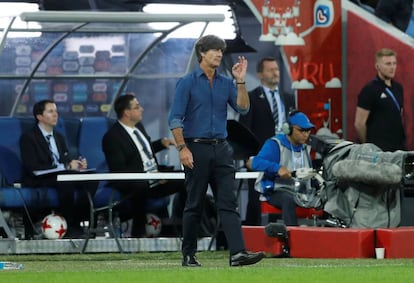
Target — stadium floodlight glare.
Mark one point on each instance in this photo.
(115, 17)
(224, 29)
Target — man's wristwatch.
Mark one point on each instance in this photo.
(181, 146)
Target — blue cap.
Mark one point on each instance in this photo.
(301, 120)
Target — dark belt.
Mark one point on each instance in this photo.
(206, 141)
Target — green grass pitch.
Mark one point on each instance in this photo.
(166, 267)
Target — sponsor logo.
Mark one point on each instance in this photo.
(92, 108)
(60, 97)
(40, 96)
(25, 98)
(100, 87)
(80, 97)
(23, 71)
(63, 108)
(21, 108)
(23, 50)
(40, 88)
(86, 48)
(99, 97)
(76, 108)
(23, 61)
(54, 70)
(60, 87)
(105, 107)
(80, 87)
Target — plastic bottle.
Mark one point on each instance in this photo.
(7, 265)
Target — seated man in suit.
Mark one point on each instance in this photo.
(269, 106)
(43, 148)
(128, 148)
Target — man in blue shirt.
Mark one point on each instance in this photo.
(198, 121)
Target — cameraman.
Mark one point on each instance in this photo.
(279, 157)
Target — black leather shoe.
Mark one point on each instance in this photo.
(246, 258)
(191, 261)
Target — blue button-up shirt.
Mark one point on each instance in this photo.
(201, 110)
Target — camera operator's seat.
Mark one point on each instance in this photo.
(269, 213)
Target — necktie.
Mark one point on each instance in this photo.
(143, 144)
(275, 108)
(52, 152)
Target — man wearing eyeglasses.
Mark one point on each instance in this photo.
(128, 148)
(279, 158)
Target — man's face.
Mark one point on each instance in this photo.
(299, 135)
(386, 67)
(212, 58)
(270, 75)
(49, 117)
(135, 111)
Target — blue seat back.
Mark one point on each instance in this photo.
(11, 131)
(10, 166)
(11, 172)
(27, 123)
(70, 127)
(92, 130)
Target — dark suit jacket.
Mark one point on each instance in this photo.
(259, 119)
(36, 155)
(122, 155)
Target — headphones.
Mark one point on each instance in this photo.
(287, 128)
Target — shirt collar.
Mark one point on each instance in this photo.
(199, 72)
(129, 129)
(267, 90)
(44, 133)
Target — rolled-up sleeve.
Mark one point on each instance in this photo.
(181, 97)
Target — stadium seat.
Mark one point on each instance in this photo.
(11, 170)
(11, 126)
(69, 128)
(12, 195)
(83, 137)
(92, 130)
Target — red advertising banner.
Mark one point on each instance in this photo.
(309, 35)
